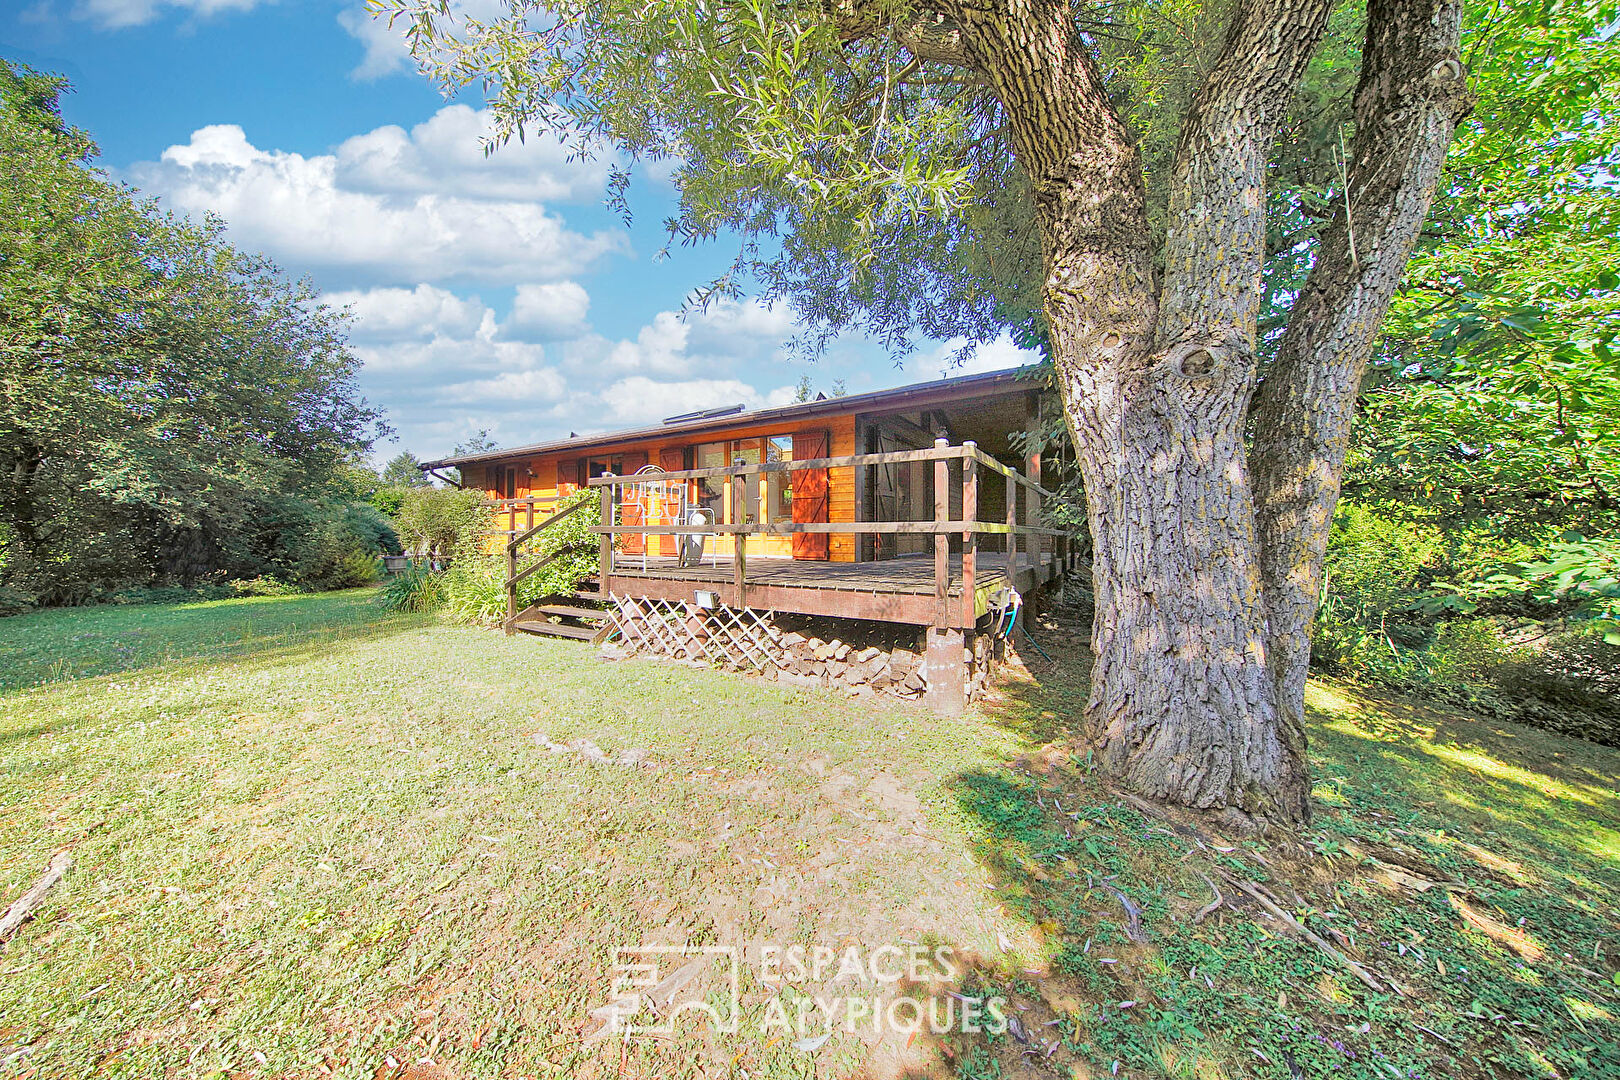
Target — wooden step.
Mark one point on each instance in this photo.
(551, 629)
(564, 611)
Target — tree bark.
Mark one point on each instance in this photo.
(1411, 95)
(1202, 574)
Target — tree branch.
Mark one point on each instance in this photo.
(1216, 239)
(930, 35)
(1411, 95)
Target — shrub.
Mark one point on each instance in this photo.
(417, 589)
(443, 523)
(1376, 562)
(475, 584)
(14, 601)
(264, 586)
(357, 568)
(340, 550)
(475, 589)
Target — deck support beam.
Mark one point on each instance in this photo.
(605, 554)
(945, 666)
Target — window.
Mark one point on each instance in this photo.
(773, 493)
(779, 486)
(596, 466)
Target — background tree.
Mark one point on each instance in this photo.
(1495, 398)
(404, 470)
(480, 442)
(171, 409)
(951, 168)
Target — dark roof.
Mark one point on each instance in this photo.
(960, 386)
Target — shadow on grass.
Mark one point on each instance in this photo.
(1140, 958)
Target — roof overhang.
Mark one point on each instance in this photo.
(916, 395)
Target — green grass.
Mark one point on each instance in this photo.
(325, 842)
(63, 644)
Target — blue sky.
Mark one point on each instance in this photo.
(493, 293)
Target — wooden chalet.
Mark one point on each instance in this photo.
(914, 505)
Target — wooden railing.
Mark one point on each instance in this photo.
(514, 544)
(1025, 534)
(519, 514)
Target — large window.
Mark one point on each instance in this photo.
(779, 486)
(773, 493)
(596, 466)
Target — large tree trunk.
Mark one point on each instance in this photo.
(1183, 704)
(1198, 690)
(1206, 573)
(1156, 379)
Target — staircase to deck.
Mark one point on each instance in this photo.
(578, 615)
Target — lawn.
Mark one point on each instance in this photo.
(313, 840)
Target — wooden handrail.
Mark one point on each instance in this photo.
(788, 528)
(542, 564)
(889, 458)
(552, 520)
(513, 574)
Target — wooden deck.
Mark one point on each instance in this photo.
(899, 590)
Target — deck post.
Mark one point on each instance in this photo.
(945, 666)
(605, 557)
(1037, 544)
(511, 585)
(863, 541)
(942, 542)
(528, 522)
(970, 538)
(739, 541)
(1013, 495)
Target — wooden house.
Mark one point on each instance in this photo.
(914, 505)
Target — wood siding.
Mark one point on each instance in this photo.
(841, 482)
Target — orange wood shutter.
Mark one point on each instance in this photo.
(567, 477)
(811, 501)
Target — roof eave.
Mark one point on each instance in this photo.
(848, 403)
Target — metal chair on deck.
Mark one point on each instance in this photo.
(692, 543)
(659, 502)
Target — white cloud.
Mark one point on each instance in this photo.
(117, 14)
(523, 389)
(548, 312)
(446, 366)
(443, 221)
(409, 314)
(731, 322)
(660, 347)
(996, 355)
(385, 51)
(641, 400)
(724, 337)
(385, 46)
(445, 155)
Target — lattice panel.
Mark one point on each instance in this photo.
(732, 637)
